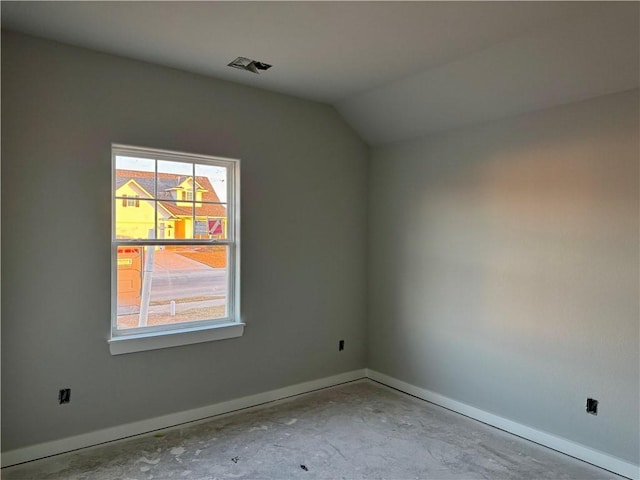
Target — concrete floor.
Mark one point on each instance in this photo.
(357, 430)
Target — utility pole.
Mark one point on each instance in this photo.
(150, 251)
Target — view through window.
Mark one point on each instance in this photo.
(174, 240)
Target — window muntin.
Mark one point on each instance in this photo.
(175, 257)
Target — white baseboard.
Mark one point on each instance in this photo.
(563, 445)
(560, 444)
(55, 447)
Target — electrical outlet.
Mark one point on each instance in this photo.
(341, 345)
(592, 406)
(64, 396)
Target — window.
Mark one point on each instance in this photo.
(130, 202)
(175, 256)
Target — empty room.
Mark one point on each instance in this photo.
(320, 240)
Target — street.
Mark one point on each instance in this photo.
(188, 284)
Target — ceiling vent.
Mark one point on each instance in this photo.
(249, 65)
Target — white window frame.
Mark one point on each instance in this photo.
(183, 333)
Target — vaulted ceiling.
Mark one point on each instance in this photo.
(394, 70)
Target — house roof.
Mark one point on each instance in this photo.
(169, 182)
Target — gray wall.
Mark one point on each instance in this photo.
(503, 259)
(504, 268)
(304, 176)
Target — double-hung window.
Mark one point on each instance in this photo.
(175, 258)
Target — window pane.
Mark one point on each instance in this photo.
(213, 181)
(175, 220)
(134, 218)
(175, 181)
(184, 284)
(211, 221)
(134, 177)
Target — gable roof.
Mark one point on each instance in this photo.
(169, 182)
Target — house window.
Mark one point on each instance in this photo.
(129, 201)
(175, 264)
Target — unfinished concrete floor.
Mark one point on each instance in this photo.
(356, 430)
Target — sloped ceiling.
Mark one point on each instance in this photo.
(394, 70)
(570, 61)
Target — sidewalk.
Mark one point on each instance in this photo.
(165, 308)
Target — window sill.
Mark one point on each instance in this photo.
(187, 336)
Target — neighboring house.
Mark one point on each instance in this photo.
(184, 209)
